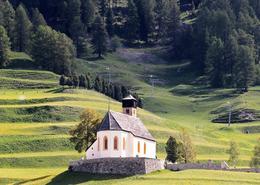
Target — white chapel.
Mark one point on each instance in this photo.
(123, 135)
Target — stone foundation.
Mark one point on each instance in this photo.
(119, 166)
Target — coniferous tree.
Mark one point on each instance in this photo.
(173, 21)
(23, 28)
(244, 69)
(110, 22)
(230, 58)
(52, 50)
(69, 82)
(75, 25)
(88, 12)
(62, 80)
(83, 47)
(172, 150)
(8, 18)
(103, 5)
(4, 47)
(97, 84)
(125, 92)
(75, 81)
(82, 81)
(118, 93)
(37, 18)
(99, 40)
(132, 22)
(146, 16)
(88, 82)
(214, 62)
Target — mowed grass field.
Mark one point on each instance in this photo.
(35, 120)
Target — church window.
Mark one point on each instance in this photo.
(115, 143)
(124, 143)
(138, 147)
(105, 143)
(144, 148)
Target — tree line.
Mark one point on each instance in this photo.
(113, 90)
(227, 42)
(223, 42)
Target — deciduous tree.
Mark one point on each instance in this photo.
(233, 153)
(85, 132)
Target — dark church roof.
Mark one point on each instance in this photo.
(123, 122)
(130, 97)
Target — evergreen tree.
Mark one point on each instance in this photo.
(88, 12)
(8, 18)
(132, 22)
(83, 47)
(172, 150)
(62, 80)
(115, 43)
(125, 92)
(244, 69)
(214, 62)
(75, 81)
(173, 21)
(146, 15)
(110, 22)
(38, 19)
(103, 5)
(88, 82)
(230, 58)
(23, 27)
(99, 40)
(82, 81)
(52, 50)
(75, 25)
(69, 82)
(97, 84)
(4, 47)
(118, 93)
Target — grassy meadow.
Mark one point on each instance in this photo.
(36, 115)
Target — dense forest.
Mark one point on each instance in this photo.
(222, 41)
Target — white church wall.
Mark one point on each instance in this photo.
(131, 146)
(150, 148)
(92, 152)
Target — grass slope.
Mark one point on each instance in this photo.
(34, 122)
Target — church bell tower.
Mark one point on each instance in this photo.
(129, 105)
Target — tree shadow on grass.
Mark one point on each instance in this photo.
(68, 178)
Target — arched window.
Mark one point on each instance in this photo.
(124, 143)
(115, 143)
(105, 141)
(144, 148)
(138, 147)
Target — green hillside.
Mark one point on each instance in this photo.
(35, 120)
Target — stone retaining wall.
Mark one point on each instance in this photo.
(121, 166)
(209, 166)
